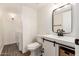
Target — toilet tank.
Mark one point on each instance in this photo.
(40, 40)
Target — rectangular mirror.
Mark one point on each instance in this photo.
(62, 18)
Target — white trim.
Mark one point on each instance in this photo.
(1, 49)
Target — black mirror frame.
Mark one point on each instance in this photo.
(53, 17)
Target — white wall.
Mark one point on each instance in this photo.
(29, 21)
(76, 19)
(1, 29)
(11, 27)
(45, 20)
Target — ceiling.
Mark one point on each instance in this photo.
(38, 5)
(16, 7)
(32, 5)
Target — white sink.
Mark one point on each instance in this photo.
(61, 39)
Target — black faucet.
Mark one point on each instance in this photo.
(60, 32)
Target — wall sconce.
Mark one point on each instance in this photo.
(12, 16)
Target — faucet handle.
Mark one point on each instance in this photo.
(62, 30)
(58, 30)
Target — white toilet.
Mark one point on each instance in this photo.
(34, 48)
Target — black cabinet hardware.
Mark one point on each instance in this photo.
(77, 41)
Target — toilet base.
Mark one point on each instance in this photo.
(36, 52)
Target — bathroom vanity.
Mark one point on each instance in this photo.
(53, 45)
(59, 45)
(65, 25)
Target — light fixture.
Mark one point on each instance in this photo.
(12, 16)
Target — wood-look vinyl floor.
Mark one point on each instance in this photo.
(12, 50)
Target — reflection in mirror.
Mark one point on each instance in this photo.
(62, 18)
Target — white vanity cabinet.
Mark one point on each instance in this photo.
(50, 48)
(52, 45)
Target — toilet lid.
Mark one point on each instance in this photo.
(33, 46)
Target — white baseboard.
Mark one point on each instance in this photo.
(1, 48)
(9, 43)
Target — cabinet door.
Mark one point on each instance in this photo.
(49, 49)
